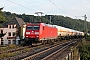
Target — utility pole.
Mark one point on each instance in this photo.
(50, 19)
(85, 25)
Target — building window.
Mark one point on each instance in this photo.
(9, 26)
(14, 41)
(1, 41)
(1, 38)
(9, 41)
(1, 31)
(12, 26)
(9, 34)
(14, 33)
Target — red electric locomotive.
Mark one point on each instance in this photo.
(37, 32)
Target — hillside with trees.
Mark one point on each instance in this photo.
(67, 22)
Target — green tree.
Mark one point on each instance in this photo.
(84, 50)
(2, 19)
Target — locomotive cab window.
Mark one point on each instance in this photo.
(32, 27)
(36, 27)
(29, 28)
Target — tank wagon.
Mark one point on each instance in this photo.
(40, 32)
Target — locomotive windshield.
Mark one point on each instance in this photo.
(29, 27)
(32, 27)
(36, 27)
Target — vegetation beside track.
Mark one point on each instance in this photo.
(11, 46)
(84, 49)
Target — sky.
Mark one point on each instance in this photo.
(75, 9)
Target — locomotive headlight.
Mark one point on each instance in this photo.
(26, 36)
(27, 32)
(36, 32)
(37, 36)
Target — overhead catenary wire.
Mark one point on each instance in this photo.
(61, 6)
(34, 10)
(21, 5)
(56, 6)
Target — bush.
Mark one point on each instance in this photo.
(11, 46)
(84, 50)
(88, 37)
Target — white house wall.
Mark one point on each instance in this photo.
(24, 28)
(0, 41)
(7, 30)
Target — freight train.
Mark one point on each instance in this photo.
(41, 32)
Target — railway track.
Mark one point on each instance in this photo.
(31, 52)
(61, 53)
(36, 51)
(13, 50)
(43, 55)
(18, 49)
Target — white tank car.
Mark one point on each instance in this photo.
(77, 33)
(65, 32)
(62, 31)
(82, 33)
(70, 32)
(73, 32)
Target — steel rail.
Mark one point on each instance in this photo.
(40, 53)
